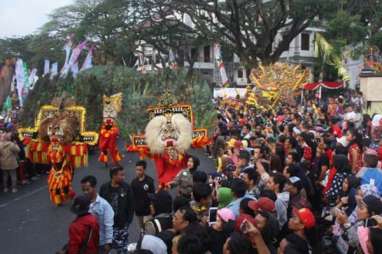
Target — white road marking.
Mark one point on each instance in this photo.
(23, 196)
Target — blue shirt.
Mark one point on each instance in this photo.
(371, 176)
(105, 216)
(234, 206)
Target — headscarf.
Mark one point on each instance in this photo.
(153, 244)
(225, 196)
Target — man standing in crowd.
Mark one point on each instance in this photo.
(276, 184)
(243, 163)
(102, 210)
(119, 195)
(141, 186)
(239, 190)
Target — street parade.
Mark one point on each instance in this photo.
(191, 127)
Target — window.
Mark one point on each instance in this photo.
(194, 54)
(207, 54)
(240, 73)
(157, 59)
(305, 41)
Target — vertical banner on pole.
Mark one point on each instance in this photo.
(220, 64)
(54, 70)
(46, 67)
(67, 49)
(32, 78)
(20, 79)
(88, 63)
(171, 60)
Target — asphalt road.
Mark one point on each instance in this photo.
(29, 223)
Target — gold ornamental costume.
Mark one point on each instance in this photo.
(59, 139)
(109, 132)
(168, 136)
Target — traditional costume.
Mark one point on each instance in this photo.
(109, 132)
(168, 136)
(59, 139)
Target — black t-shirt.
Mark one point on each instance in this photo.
(217, 239)
(141, 189)
(114, 198)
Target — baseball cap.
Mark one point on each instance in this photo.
(241, 219)
(263, 204)
(296, 182)
(80, 205)
(226, 214)
(306, 216)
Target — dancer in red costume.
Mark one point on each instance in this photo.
(168, 136)
(59, 139)
(108, 142)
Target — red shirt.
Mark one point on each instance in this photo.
(332, 173)
(79, 233)
(308, 153)
(336, 131)
(355, 162)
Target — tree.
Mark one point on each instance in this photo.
(163, 29)
(109, 24)
(253, 29)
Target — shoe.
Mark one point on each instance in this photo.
(14, 190)
(24, 182)
(5, 190)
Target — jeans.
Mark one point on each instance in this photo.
(9, 174)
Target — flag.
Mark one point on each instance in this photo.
(74, 69)
(13, 83)
(46, 67)
(220, 64)
(33, 78)
(75, 54)
(67, 49)
(27, 85)
(54, 70)
(141, 63)
(20, 79)
(7, 106)
(88, 63)
(171, 60)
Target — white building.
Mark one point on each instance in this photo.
(301, 51)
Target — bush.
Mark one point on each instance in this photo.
(139, 91)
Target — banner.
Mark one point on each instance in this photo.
(220, 64)
(171, 60)
(54, 70)
(27, 85)
(20, 79)
(230, 92)
(46, 67)
(32, 78)
(74, 69)
(67, 49)
(75, 54)
(88, 63)
(13, 83)
(7, 106)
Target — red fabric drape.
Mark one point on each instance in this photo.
(325, 84)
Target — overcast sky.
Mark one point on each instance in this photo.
(21, 17)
